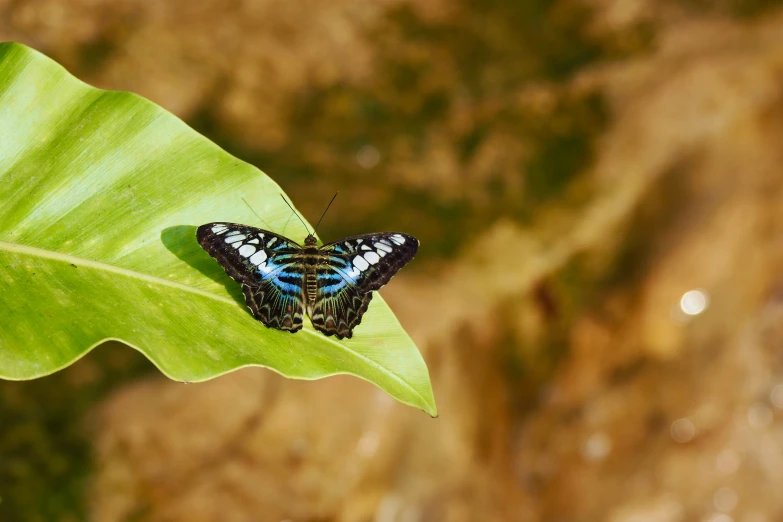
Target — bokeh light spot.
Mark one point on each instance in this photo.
(760, 416)
(597, 447)
(368, 444)
(720, 517)
(694, 302)
(368, 157)
(725, 499)
(728, 461)
(776, 396)
(683, 430)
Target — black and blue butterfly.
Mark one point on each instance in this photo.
(281, 279)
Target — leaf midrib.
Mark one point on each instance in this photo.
(67, 258)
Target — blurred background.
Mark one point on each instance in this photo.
(597, 188)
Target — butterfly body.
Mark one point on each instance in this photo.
(281, 279)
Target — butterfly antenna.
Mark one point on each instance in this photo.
(294, 211)
(327, 208)
(254, 212)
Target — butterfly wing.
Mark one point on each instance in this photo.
(349, 270)
(339, 305)
(267, 265)
(372, 259)
(274, 306)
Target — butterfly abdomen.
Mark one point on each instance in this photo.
(311, 284)
(311, 277)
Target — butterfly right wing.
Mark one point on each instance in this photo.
(371, 260)
(267, 265)
(349, 270)
(339, 304)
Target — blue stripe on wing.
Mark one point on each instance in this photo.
(327, 277)
(344, 269)
(331, 289)
(287, 286)
(350, 275)
(274, 264)
(288, 281)
(268, 265)
(330, 282)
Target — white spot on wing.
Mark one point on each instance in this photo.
(233, 233)
(271, 242)
(234, 239)
(365, 247)
(382, 246)
(372, 257)
(219, 229)
(247, 250)
(258, 258)
(398, 239)
(381, 252)
(253, 241)
(360, 263)
(359, 241)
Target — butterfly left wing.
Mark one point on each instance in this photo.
(266, 264)
(246, 253)
(349, 270)
(276, 306)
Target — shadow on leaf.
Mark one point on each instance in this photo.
(181, 241)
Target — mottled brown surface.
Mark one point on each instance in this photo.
(571, 387)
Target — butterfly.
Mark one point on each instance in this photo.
(280, 278)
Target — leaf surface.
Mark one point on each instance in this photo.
(101, 195)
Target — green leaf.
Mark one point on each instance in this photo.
(101, 195)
